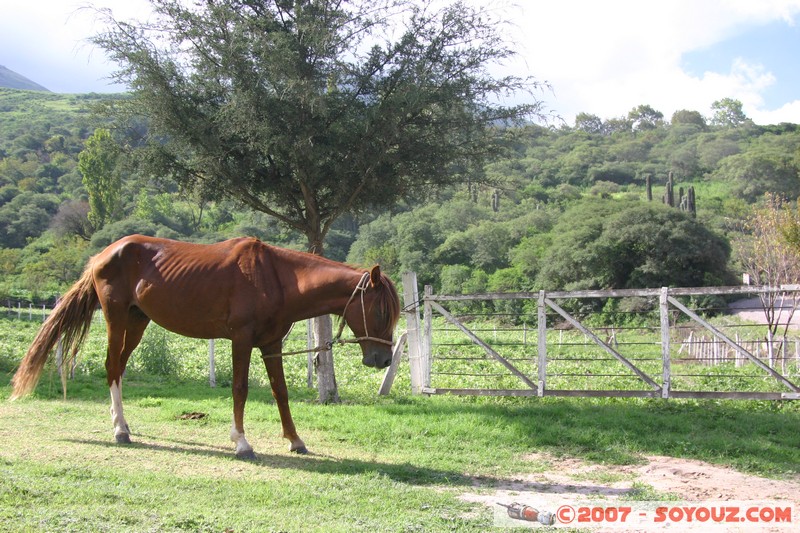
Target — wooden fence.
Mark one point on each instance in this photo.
(674, 350)
(552, 350)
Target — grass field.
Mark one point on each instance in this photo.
(396, 463)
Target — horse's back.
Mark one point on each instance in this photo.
(197, 290)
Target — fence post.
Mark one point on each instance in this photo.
(665, 359)
(411, 310)
(310, 354)
(427, 338)
(541, 314)
(388, 377)
(212, 364)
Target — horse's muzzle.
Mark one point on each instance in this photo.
(377, 358)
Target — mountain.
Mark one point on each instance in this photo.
(12, 80)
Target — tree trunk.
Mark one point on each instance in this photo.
(323, 333)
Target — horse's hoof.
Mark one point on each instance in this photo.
(302, 450)
(246, 455)
(122, 438)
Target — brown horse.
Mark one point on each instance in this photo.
(241, 289)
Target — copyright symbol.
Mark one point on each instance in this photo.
(565, 514)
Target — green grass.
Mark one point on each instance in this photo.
(396, 463)
(387, 464)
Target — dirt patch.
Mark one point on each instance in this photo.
(571, 482)
(696, 480)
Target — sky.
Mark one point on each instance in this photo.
(598, 57)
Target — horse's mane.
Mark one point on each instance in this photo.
(389, 302)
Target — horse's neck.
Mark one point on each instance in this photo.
(320, 287)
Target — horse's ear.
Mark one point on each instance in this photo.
(375, 275)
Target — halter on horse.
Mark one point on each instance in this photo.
(241, 289)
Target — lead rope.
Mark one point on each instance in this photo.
(337, 339)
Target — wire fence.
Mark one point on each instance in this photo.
(614, 343)
(24, 310)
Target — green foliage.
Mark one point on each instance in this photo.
(155, 354)
(602, 244)
(314, 119)
(728, 113)
(98, 165)
(770, 165)
(644, 117)
(117, 230)
(685, 116)
(26, 216)
(588, 123)
(543, 175)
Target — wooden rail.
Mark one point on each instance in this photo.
(535, 383)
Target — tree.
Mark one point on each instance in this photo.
(618, 125)
(712, 148)
(310, 109)
(610, 244)
(72, 218)
(297, 110)
(684, 116)
(644, 117)
(589, 123)
(728, 113)
(97, 163)
(484, 246)
(51, 263)
(26, 217)
(767, 248)
(768, 165)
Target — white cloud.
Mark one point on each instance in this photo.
(600, 57)
(788, 112)
(608, 57)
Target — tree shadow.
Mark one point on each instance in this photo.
(757, 436)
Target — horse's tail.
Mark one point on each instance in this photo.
(70, 322)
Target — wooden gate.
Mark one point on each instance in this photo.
(552, 344)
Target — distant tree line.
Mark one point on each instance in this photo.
(564, 207)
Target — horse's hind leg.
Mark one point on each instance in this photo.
(121, 342)
(241, 369)
(278, 382)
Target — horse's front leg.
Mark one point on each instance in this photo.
(241, 368)
(277, 380)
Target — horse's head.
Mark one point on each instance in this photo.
(372, 316)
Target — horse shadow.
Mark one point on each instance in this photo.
(311, 462)
(327, 464)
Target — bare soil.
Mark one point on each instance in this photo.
(676, 481)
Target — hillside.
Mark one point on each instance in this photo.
(12, 80)
(559, 202)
